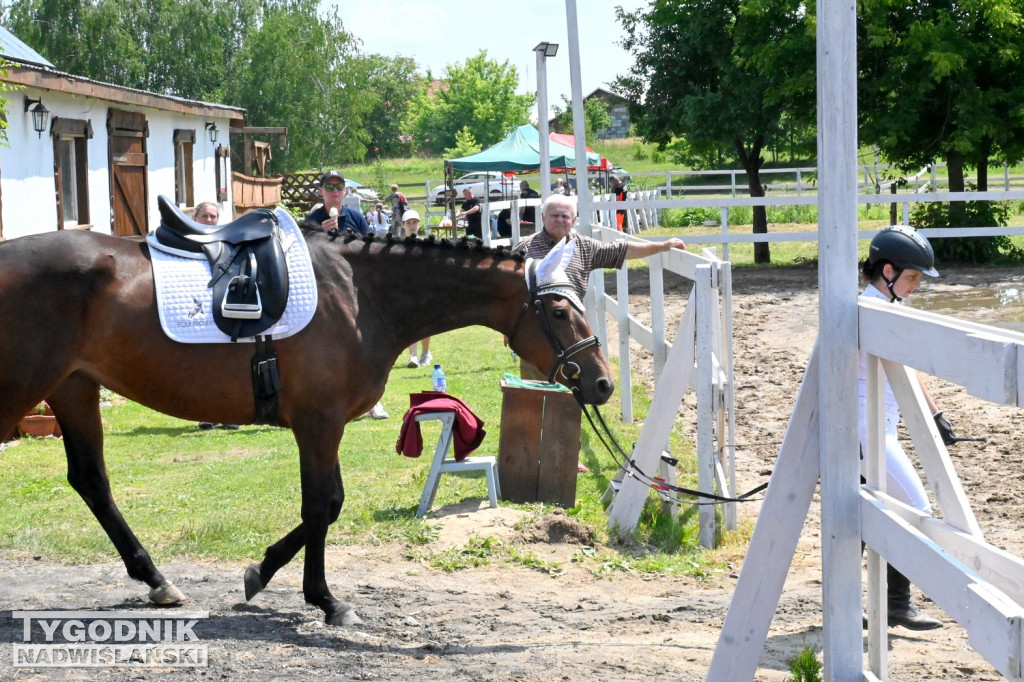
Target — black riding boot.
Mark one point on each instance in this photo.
(902, 611)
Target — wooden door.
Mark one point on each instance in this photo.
(127, 132)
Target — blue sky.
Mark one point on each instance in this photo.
(441, 32)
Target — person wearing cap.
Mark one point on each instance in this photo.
(411, 228)
(897, 260)
(332, 190)
(558, 214)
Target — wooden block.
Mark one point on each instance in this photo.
(559, 450)
(539, 445)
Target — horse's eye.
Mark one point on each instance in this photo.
(560, 314)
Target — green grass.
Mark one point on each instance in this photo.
(228, 494)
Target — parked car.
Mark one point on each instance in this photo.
(500, 186)
(599, 180)
(365, 193)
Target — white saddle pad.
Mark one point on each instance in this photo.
(185, 303)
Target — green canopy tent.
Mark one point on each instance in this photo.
(520, 151)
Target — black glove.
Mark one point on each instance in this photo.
(945, 429)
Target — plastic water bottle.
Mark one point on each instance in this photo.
(440, 383)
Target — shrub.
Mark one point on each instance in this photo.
(973, 250)
(688, 217)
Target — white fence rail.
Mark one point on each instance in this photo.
(802, 180)
(653, 206)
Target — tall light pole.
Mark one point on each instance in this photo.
(544, 50)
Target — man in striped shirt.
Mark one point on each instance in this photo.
(559, 214)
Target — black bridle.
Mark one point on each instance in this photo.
(562, 355)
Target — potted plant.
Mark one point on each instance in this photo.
(39, 422)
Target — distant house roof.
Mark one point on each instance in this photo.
(606, 94)
(12, 47)
(435, 86)
(28, 67)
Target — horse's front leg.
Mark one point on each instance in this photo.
(76, 402)
(258, 575)
(322, 498)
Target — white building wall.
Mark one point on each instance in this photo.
(26, 164)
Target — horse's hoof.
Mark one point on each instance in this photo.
(253, 583)
(166, 594)
(343, 616)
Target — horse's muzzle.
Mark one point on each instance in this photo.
(597, 392)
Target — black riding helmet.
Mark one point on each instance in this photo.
(905, 249)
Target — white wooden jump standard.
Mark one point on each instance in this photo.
(696, 359)
(977, 584)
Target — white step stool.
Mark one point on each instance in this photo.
(443, 465)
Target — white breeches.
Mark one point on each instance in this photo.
(901, 480)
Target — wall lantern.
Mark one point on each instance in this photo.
(211, 128)
(40, 114)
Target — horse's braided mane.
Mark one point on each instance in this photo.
(461, 244)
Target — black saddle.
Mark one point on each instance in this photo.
(247, 261)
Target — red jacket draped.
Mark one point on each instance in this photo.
(467, 431)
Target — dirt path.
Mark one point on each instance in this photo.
(512, 623)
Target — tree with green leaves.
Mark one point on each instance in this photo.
(465, 145)
(595, 116)
(480, 95)
(177, 47)
(944, 80)
(717, 72)
(299, 69)
(391, 84)
(284, 61)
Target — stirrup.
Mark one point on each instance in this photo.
(243, 311)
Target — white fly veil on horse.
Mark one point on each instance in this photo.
(548, 276)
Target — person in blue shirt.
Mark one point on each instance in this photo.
(332, 190)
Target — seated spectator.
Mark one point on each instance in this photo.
(505, 222)
(208, 213)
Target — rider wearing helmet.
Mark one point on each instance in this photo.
(897, 260)
(902, 248)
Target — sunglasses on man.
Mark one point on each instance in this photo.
(331, 186)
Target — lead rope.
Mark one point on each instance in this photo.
(627, 464)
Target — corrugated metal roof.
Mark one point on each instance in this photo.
(12, 48)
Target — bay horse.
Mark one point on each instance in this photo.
(79, 311)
